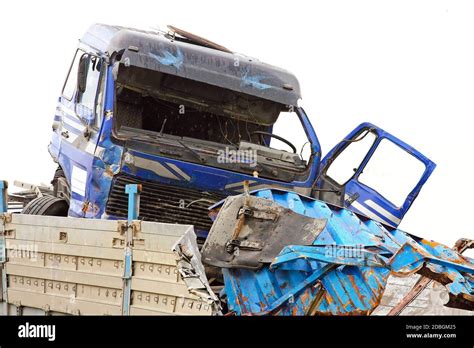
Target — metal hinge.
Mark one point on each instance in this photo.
(257, 214)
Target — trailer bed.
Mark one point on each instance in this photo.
(64, 265)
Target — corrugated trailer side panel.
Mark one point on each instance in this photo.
(59, 265)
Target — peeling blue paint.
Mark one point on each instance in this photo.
(169, 58)
(348, 264)
(254, 81)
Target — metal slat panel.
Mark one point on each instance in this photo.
(65, 249)
(76, 266)
(69, 235)
(77, 277)
(61, 304)
(156, 285)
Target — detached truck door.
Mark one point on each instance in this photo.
(373, 173)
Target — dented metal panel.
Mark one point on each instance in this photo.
(161, 52)
(192, 271)
(424, 282)
(260, 233)
(76, 266)
(345, 270)
(157, 287)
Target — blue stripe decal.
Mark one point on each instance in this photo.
(173, 171)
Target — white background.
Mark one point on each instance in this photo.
(406, 66)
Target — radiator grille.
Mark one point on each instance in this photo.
(163, 203)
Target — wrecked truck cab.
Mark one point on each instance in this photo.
(186, 120)
(191, 121)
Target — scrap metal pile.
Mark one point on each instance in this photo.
(187, 121)
(282, 253)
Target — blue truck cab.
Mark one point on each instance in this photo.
(190, 121)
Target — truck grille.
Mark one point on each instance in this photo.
(163, 203)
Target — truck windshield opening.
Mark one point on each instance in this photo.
(208, 123)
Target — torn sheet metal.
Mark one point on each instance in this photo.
(251, 232)
(192, 271)
(444, 265)
(345, 270)
(460, 246)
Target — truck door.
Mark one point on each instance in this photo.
(373, 173)
(81, 114)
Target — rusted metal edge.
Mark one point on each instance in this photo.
(460, 246)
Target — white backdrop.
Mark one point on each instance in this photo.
(406, 66)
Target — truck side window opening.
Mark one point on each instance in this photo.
(392, 172)
(289, 126)
(344, 166)
(88, 97)
(100, 102)
(71, 81)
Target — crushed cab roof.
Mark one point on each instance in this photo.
(181, 57)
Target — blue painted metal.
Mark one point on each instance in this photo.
(127, 278)
(346, 267)
(3, 196)
(354, 188)
(133, 192)
(3, 209)
(3, 254)
(107, 159)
